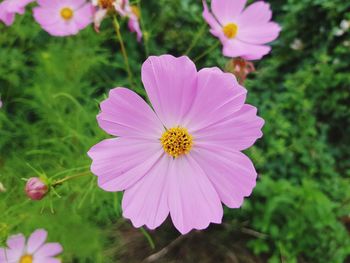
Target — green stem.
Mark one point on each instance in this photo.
(148, 237)
(207, 51)
(69, 178)
(122, 47)
(145, 38)
(196, 38)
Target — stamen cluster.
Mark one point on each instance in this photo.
(176, 141)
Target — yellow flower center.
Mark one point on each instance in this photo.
(67, 13)
(26, 259)
(176, 141)
(230, 30)
(106, 4)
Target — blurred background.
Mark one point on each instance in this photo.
(300, 210)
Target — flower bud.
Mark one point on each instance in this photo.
(36, 189)
(240, 68)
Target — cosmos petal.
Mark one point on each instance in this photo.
(210, 107)
(146, 202)
(46, 260)
(48, 250)
(226, 11)
(231, 172)
(2, 255)
(259, 34)
(193, 201)
(120, 163)
(171, 86)
(16, 245)
(36, 240)
(215, 27)
(236, 48)
(124, 113)
(255, 14)
(238, 131)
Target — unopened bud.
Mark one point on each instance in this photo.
(240, 68)
(36, 189)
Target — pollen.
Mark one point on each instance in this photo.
(176, 141)
(26, 259)
(67, 13)
(230, 30)
(106, 4)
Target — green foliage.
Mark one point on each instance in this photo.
(51, 88)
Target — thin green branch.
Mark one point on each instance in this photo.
(123, 49)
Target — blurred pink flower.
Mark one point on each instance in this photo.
(63, 17)
(35, 250)
(243, 33)
(36, 189)
(123, 8)
(184, 157)
(9, 8)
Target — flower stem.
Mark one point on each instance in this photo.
(196, 38)
(122, 47)
(146, 36)
(58, 182)
(207, 51)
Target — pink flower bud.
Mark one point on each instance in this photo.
(36, 189)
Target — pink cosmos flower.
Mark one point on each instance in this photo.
(243, 33)
(9, 8)
(123, 8)
(35, 250)
(63, 17)
(183, 155)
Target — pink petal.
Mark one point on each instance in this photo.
(77, 4)
(46, 16)
(48, 250)
(99, 15)
(226, 11)
(171, 86)
(120, 163)
(83, 15)
(231, 172)
(215, 27)
(236, 48)
(5, 16)
(2, 256)
(16, 246)
(17, 6)
(193, 201)
(255, 14)
(239, 131)
(146, 202)
(46, 260)
(126, 114)
(36, 240)
(259, 34)
(134, 26)
(49, 3)
(219, 95)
